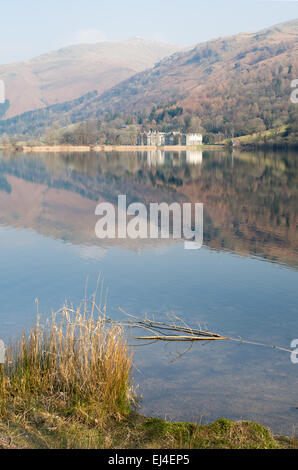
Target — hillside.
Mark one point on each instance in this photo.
(73, 71)
(233, 86)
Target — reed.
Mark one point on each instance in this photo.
(68, 385)
(76, 362)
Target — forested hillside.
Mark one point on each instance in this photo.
(226, 87)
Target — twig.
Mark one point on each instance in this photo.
(164, 332)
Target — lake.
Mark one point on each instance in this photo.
(241, 283)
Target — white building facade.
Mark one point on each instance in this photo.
(158, 139)
(194, 139)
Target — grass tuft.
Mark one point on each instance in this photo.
(76, 364)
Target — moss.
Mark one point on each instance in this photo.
(42, 429)
(222, 425)
(158, 429)
(287, 442)
(238, 435)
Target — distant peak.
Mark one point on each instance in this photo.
(136, 38)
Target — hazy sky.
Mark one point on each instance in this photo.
(32, 27)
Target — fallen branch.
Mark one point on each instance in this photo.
(161, 331)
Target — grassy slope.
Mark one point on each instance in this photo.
(258, 137)
(38, 429)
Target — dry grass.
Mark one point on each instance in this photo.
(38, 429)
(76, 363)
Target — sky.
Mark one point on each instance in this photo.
(33, 27)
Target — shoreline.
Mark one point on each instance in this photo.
(56, 392)
(108, 148)
(47, 430)
(247, 146)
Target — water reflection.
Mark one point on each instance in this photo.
(161, 157)
(250, 201)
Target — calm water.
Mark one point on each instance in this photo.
(243, 282)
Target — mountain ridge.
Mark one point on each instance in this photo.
(235, 85)
(72, 71)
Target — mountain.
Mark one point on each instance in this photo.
(72, 71)
(234, 86)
